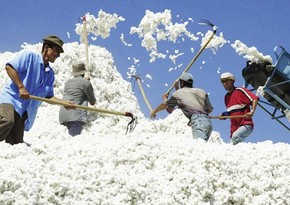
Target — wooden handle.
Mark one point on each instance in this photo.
(63, 103)
(227, 117)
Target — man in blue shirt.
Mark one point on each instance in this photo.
(30, 74)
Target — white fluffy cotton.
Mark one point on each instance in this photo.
(158, 163)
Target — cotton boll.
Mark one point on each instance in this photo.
(218, 71)
(100, 26)
(251, 54)
(149, 76)
(158, 163)
(287, 113)
(215, 43)
(260, 91)
(151, 31)
(215, 137)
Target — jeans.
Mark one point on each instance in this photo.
(201, 126)
(241, 134)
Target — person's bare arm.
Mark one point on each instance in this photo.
(161, 107)
(254, 106)
(13, 74)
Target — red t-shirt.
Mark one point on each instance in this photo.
(238, 103)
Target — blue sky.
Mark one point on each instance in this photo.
(259, 23)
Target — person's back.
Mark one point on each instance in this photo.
(195, 105)
(191, 100)
(80, 91)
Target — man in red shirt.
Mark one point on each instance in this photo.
(238, 101)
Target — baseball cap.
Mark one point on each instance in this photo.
(187, 77)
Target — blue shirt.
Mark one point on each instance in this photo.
(37, 79)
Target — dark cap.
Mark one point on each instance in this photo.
(54, 40)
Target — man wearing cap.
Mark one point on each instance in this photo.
(80, 91)
(238, 101)
(193, 102)
(30, 73)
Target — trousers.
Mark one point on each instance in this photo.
(201, 126)
(241, 134)
(74, 127)
(11, 124)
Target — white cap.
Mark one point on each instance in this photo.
(187, 77)
(228, 75)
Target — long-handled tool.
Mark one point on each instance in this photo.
(202, 22)
(86, 46)
(138, 79)
(130, 127)
(227, 117)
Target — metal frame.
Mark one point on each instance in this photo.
(283, 61)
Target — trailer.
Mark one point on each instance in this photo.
(273, 83)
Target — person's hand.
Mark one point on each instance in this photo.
(249, 114)
(176, 84)
(23, 93)
(222, 116)
(165, 96)
(153, 114)
(70, 106)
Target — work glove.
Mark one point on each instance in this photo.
(224, 114)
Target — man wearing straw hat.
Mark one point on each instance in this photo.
(30, 74)
(80, 91)
(238, 101)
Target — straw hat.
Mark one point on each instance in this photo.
(78, 69)
(54, 40)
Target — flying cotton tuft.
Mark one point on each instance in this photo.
(100, 26)
(251, 54)
(215, 43)
(124, 42)
(149, 76)
(155, 27)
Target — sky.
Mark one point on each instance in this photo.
(158, 163)
(258, 24)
